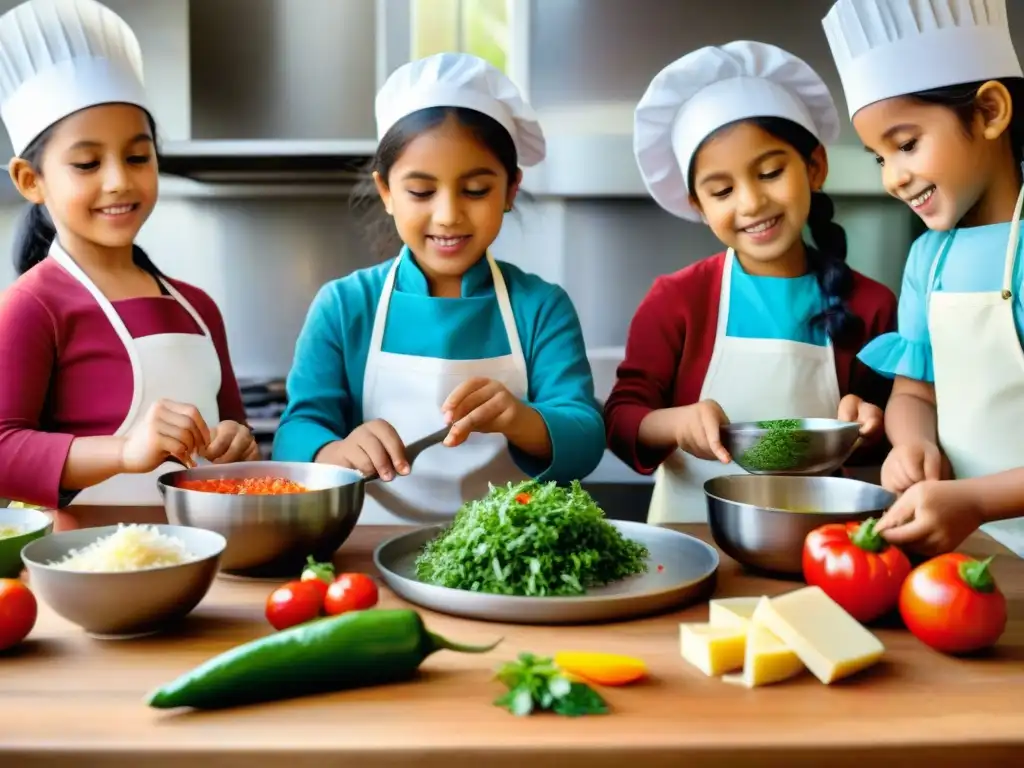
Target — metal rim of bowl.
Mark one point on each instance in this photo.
(166, 481)
(26, 559)
(822, 426)
(779, 510)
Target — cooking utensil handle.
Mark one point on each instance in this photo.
(412, 450)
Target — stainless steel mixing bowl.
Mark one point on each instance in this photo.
(812, 447)
(271, 536)
(762, 520)
(126, 603)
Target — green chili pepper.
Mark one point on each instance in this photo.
(356, 649)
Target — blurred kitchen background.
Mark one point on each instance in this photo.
(266, 113)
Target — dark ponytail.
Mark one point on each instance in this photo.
(35, 232)
(32, 238)
(827, 259)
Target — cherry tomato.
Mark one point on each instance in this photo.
(953, 604)
(855, 567)
(295, 603)
(351, 592)
(18, 612)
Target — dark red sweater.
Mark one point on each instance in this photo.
(669, 348)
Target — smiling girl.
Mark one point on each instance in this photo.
(733, 136)
(443, 335)
(113, 372)
(937, 96)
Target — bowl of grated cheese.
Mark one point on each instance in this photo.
(120, 581)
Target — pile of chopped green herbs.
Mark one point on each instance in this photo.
(535, 684)
(782, 448)
(530, 539)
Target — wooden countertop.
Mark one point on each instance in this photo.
(68, 700)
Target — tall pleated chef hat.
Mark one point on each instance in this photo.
(60, 56)
(711, 87)
(461, 80)
(887, 48)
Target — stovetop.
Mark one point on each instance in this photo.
(265, 401)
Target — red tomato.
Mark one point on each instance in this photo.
(295, 603)
(855, 567)
(953, 604)
(351, 592)
(18, 611)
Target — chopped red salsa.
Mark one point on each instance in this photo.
(249, 486)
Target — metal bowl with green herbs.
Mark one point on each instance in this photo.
(530, 539)
(791, 446)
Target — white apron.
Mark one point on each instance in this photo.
(979, 379)
(753, 380)
(181, 367)
(407, 392)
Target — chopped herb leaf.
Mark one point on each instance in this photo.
(535, 684)
(558, 544)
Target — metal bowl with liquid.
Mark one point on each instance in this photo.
(762, 520)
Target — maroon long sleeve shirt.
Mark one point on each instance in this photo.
(66, 373)
(669, 346)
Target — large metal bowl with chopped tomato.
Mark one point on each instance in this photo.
(273, 514)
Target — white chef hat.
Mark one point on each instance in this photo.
(60, 56)
(711, 87)
(887, 48)
(461, 80)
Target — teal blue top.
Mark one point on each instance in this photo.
(325, 385)
(775, 307)
(975, 263)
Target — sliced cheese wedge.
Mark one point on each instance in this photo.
(767, 660)
(827, 639)
(732, 611)
(713, 650)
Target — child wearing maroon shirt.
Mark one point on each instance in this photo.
(113, 372)
(734, 136)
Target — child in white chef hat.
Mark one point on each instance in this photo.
(443, 336)
(935, 91)
(113, 372)
(735, 135)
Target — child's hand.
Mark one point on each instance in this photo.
(479, 405)
(868, 415)
(933, 517)
(231, 442)
(373, 447)
(699, 431)
(912, 463)
(168, 430)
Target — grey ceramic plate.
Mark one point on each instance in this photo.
(688, 574)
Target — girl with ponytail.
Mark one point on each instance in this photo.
(113, 372)
(734, 136)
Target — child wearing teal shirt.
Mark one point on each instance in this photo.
(443, 336)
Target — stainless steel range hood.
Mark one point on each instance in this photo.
(267, 160)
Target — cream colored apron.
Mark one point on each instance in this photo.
(753, 380)
(979, 379)
(181, 367)
(408, 391)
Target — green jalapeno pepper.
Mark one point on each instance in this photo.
(353, 650)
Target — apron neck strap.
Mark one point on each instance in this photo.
(1011, 246)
